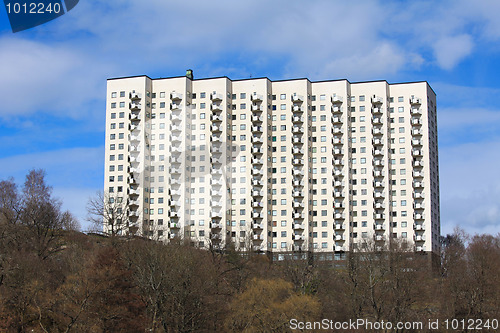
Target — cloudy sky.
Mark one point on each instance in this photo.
(53, 77)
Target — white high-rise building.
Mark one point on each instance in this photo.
(277, 166)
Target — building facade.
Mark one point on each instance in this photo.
(278, 166)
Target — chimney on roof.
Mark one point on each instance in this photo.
(189, 74)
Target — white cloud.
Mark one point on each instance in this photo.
(470, 187)
(450, 50)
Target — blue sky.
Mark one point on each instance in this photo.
(53, 77)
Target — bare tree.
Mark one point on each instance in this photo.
(109, 214)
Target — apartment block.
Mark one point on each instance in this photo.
(275, 166)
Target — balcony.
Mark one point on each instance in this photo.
(419, 238)
(173, 214)
(416, 142)
(377, 121)
(174, 96)
(215, 214)
(339, 248)
(378, 184)
(419, 227)
(175, 139)
(175, 170)
(297, 108)
(299, 226)
(299, 216)
(339, 237)
(216, 118)
(216, 237)
(416, 132)
(336, 120)
(418, 184)
(338, 183)
(175, 203)
(377, 131)
(418, 174)
(256, 97)
(418, 205)
(135, 95)
(257, 183)
(297, 172)
(257, 140)
(216, 182)
(135, 106)
(298, 151)
(418, 195)
(379, 216)
(299, 237)
(378, 152)
(258, 237)
(134, 192)
(216, 97)
(173, 225)
(298, 183)
(416, 152)
(298, 205)
(297, 129)
(420, 248)
(175, 128)
(379, 238)
(257, 215)
(257, 150)
(339, 216)
(257, 108)
(257, 204)
(297, 98)
(376, 110)
(378, 194)
(338, 172)
(298, 161)
(415, 101)
(378, 205)
(340, 226)
(216, 150)
(257, 119)
(337, 141)
(257, 193)
(257, 129)
(416, 122)
(377, 100)
(378, 162)
(298, 119)
(216, 129)
(298, 140)
(257, 161)
(418, 216)
(216, 193)
(377, 173)
(135, 117)
(175, 106)
(256, 172)
(216, 107)
(416, 112)
(338, 162)
(337, 99)
(215, 225)
(175, 193)
(258, 226)
(338, 204)
(134, 214)
(298, 194)
(418, 163)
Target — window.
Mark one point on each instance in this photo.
(283, 96)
